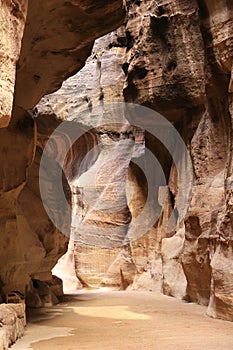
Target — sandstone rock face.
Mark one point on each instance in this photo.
(100, 224)
(47, 49)
(179, 62)
(65, 270)
(57, 39)
(12, 17)
(41, 45)
(176, 58)
(13, 321)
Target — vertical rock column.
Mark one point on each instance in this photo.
(12, 19)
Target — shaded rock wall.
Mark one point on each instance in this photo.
(57, 39)
(13, 17)
(41, 45)
(176, 58)
(179, 63)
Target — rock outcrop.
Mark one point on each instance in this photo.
(41, 45)
(100, 224)
(176, 58)
(13, 321)
(13, 17)
(179, 63)
(57, 39)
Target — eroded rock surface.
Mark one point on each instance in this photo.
(12, 16)
(179, 62)
(57, 39)
(100, 226)
(176, 58)
(41, 45)
(13, 321)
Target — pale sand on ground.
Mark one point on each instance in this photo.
(98, 320)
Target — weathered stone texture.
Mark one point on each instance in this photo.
(174, 57)
(13, 321)
(100, 224)
(179, 62)
(177, 59)
(42, 43)
(12, 19)
(57, 39)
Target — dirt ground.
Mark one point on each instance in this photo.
(125, 320)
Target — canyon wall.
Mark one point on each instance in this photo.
(42, 43)
(175, 58)
(172, 57)
(179, 63)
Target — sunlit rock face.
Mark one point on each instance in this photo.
(176, 58)
(42, 43)
(100, 210)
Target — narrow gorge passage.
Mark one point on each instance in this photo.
(116, 147)
(104, 319)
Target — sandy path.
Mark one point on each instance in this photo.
(126, 321)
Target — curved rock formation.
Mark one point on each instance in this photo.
(179, 62)
(176, 58)
(42, 44)
(57, 39)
